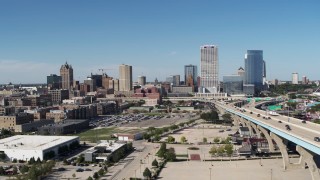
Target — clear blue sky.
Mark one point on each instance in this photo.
(156, 37)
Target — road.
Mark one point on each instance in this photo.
(305, 132)
(132, 166)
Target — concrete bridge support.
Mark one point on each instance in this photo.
(307, 157)
(255, 129)
(283, 149)
(268, 137)
(235, 120)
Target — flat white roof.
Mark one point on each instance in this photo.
(33, 142)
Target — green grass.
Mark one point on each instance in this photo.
(93, 135)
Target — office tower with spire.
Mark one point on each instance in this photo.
(66, 73)
(209, 69)
(125, 77)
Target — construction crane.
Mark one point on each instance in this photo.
(102, 70)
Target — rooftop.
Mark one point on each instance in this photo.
(33, 142)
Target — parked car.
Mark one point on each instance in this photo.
(279, 121)
(79, 170)
(317, 139)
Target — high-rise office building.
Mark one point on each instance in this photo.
(54, 81)
(66, 73)
(190, 75)
(209, 74)
(125, 77)
(304, 80)
(254, 69)
(142, 80)
(174, 80)
(295, 78)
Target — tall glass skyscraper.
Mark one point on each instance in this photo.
(254, 68)
(209, 77)
(190, 72)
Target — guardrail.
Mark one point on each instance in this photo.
(293, 138)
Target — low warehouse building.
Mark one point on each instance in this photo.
(24, 147)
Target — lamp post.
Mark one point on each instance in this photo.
(210, 173)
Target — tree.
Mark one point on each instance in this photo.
(183, 139)
(162, 150)
(155, 163)
(24, 169)
(73, 175)
(216, 140)
(170, 139)
(229, 149)
(226, 116)
(170, 155)
(220, 150)
(2, 171)
(213, 151)
(146, 136)
(89, 178)
(38, 160)
(147, 173)
(31, 161)
(205, 140)
(95, 175)
(80, 159)
(157, 138)
(14, 160)
(101, 172)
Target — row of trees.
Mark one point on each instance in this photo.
(222, 149)
(35, 171)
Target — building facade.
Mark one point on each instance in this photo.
(254, 69)
(54, 81)
(295, 78)
(66, 73)
(190, 75)
(209, 73)
(233, 84)
(142, 80)
(125, 77)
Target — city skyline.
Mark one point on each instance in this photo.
(156, 38)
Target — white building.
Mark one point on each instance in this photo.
(125, 77)
(24, 147)
(209, 69)
(295, 78)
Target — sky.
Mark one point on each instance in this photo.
(156, 37)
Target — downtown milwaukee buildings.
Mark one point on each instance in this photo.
(250, 80)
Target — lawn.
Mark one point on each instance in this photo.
(93, 135)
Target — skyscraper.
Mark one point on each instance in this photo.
(295, 78)
(54, 81)
(209, 75)
(66, 73)
(190, 74)
(142, 80)
(254, 69)
(125, 77)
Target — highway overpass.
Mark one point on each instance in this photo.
(302, 134)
